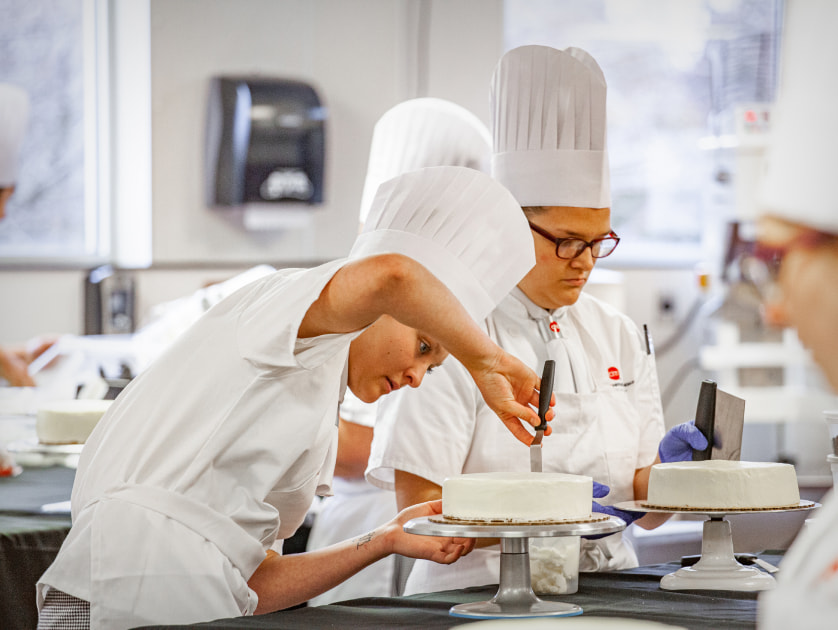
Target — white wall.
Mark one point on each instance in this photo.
(36, 302)
(358, 55)
(363, 57)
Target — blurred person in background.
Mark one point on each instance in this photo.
(14, 115)
(796, 268)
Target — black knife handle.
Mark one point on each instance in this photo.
(546, 392)
(705, 418)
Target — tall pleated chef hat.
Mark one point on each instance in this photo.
(798, 183)
(424, 132)
(463, 226)
(14, 113)
(549, 127)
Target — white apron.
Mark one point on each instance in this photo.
(181, 490)
(607, 430)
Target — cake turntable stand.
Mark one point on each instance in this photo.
(717, 568)
(515, 597)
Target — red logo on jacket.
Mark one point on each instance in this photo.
(613, 373)
(554, 326)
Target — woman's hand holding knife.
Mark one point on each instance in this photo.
(511, 389)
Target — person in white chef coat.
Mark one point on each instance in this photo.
(215, 452)
(413, 134)
(550, 151)
(14, 116)
(798, 243)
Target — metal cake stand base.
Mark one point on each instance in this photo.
(515, 597)
(717, 569)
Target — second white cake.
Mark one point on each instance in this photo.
(722, 484)
(69, 421)
(523, 497)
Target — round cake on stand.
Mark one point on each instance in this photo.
(716, 488)
(514, 507)
(515, 597)
(717, 569)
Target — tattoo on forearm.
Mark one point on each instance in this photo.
(363, 540)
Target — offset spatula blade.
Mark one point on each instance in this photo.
(543, 406)
(535, 452)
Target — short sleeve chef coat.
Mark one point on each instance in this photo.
(206, 458)
(607, 429)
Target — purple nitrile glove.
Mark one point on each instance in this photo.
(599, 491)
(678, 443)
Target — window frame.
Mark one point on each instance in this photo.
(116, 92)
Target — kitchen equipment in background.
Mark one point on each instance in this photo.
(265, 141)
(109, 302)
(118, 383)
(831, 417)
(832, 459)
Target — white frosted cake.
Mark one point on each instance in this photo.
(69, 421)
(522, 497)
(722, 484)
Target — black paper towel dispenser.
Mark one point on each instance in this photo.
(265, 141)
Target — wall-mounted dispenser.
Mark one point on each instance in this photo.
(109, 302)
(265, 141)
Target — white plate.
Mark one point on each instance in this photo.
(642, 506)
(32, 445)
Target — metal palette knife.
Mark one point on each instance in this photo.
(721, 415)
(544, 396)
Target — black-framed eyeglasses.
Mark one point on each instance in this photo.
(761, 265)
(568, 248)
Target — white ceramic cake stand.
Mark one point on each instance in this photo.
(515, 597)
(717, 569)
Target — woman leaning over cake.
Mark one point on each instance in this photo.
(798, 245)
(216, 451)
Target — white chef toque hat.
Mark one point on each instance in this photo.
(460, 224)
(424, 132)
(14, 113)
(798, 183)
(549, 127)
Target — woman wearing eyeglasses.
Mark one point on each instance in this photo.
(550, 152)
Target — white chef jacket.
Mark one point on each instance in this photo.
(355, 508)
(607, 429)
(806, 596)
(206, 458)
